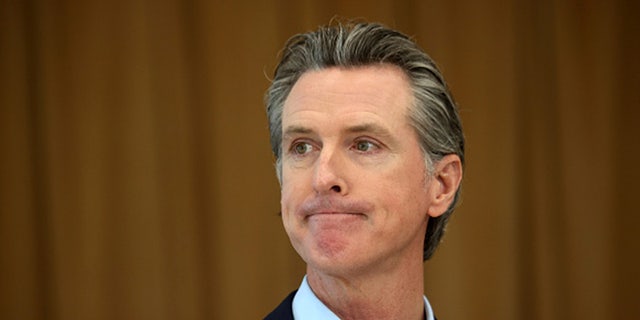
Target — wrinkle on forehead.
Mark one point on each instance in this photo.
(363, 92)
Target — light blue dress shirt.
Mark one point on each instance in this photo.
(306, 306)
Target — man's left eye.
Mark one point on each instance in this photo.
(364, 146)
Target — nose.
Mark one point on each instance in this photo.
(329, 175)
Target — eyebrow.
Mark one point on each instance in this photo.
(291, 130)
(371, 128)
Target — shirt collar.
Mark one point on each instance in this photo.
(307, 306)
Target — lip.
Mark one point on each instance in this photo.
(333, 213)
(333, 207)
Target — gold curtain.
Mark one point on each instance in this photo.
(137, 181)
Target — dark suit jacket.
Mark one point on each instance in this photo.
(284, 311)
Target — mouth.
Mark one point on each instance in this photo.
(332, 214)
(334, 208)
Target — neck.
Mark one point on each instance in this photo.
(393, 294)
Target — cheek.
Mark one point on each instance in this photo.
(404, 193)
(404, 215)
(287, 209)
(404, 203)
(285, 200)
(291, 194)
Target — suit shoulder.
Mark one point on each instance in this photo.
(284, 311)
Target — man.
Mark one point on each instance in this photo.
(369, 153)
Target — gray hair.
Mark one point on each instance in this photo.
(433, 115)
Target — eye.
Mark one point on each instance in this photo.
(301, 148)
(365, 146)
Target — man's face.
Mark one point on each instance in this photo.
(355, 193)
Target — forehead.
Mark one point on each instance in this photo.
(365, 94)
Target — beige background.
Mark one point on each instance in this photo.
(137, 183)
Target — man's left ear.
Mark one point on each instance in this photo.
(446, 177)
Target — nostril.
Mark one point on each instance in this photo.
(336, 189)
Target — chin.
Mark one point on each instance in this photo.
(331, 257)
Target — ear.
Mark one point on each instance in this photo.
(444, 185)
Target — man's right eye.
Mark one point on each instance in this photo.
(301, 148)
